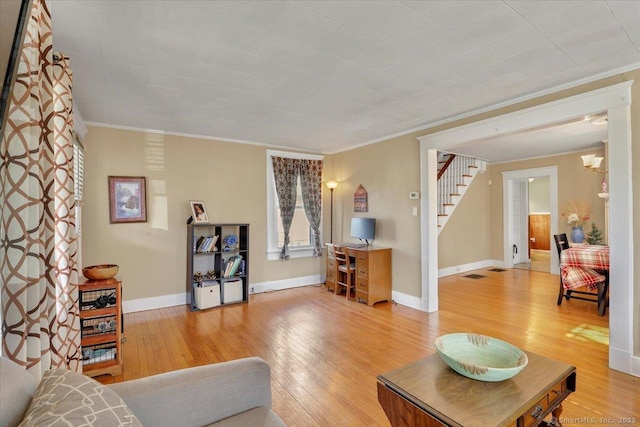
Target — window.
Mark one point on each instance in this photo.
(300, 233)
(78, 188)
(300, 236)
(78, 169)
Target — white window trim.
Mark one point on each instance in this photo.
(273, 251)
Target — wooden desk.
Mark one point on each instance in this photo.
(429, 393)
(373, 272)
(330, 281)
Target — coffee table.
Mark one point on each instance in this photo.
(429, 393)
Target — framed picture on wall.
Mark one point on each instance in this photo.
(360, 203)
(198, 212)
(127, 199)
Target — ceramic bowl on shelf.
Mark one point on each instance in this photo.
(481, 357)
(100, 272)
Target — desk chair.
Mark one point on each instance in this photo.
(598, 297)
(345, 272)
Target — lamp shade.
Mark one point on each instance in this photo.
(591, 161)
(587, 159)
(332, 184)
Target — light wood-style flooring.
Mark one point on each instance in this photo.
(325, 352)
(540, 261)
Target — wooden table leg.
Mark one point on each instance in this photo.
(555, 420)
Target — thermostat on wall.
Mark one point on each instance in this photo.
(414, 195)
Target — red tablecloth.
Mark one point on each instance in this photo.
(578, 265)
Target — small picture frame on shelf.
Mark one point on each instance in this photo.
(198, 212)
(127, 199)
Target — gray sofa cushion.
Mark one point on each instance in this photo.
(198, 396)
(257, 417)
(17, 387)
(69, 398)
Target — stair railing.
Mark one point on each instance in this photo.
(449, 177)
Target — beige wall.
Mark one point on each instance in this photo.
(389, 171)
(467, 237)
(229, 178)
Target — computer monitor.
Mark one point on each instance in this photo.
(363, 229)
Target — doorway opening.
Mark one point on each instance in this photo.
(523, 211)
(532, 224)
(616, 101)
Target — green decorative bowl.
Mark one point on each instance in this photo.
(481, 357)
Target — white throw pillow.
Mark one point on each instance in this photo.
(67, 398)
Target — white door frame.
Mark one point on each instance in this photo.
(508, 181)
(616, 100)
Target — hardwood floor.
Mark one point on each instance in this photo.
(325, 352)
(540, 261)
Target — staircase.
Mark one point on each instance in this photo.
(455, 174)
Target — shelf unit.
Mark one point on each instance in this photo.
(101, 326)
(212, 290)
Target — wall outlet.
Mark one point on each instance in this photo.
(414, 195)
(252, 290)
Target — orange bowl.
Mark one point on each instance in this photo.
(100, 272)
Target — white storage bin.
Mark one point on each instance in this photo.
(207, 296)
(232, 291)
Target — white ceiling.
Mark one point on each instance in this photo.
(326, 76)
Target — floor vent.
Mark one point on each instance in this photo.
(497, 270)
(474, 276)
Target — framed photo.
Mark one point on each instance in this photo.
(127, 199)
(198, 212)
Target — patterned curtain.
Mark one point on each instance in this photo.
(311, 181)
(285, 173)
(38, 271)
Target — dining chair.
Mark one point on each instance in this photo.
(346, 272)
(599, 296)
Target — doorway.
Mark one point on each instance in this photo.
(616, 101)
(532, 224)
(517, 209)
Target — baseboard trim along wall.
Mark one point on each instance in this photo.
(410, 301)
(450, 271)
(406, 300)
(152, 303)
(164, 301)
(278, 285)
(635, 366)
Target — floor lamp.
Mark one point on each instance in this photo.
(331, 185)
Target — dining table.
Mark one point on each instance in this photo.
(584, 265)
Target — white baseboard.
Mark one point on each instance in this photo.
(635, 366)
(623, 361)
(406, 300)
(164, 301)
(152, 303)
(278, 285)
(449, 271)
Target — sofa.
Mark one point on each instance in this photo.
(234, 393)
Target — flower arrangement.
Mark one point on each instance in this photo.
(577, 213)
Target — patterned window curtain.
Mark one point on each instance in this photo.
(311, 181)
(285, 174)
(38, 271)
